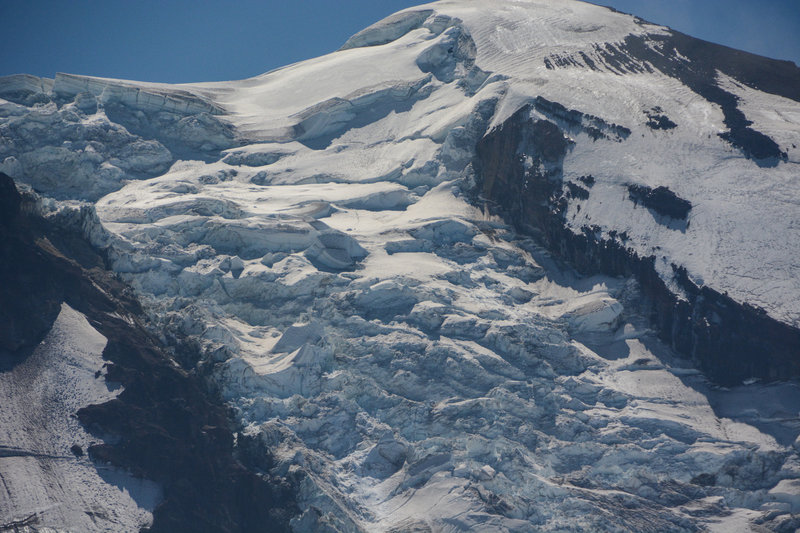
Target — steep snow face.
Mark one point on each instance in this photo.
(47, 479)
(414, 360)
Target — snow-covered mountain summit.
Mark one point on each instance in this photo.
(362, 248)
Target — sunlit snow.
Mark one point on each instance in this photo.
(420, 362)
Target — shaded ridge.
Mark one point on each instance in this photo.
(164, 426)
(696, 63)
(730, 341)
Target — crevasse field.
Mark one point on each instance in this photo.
(426, 367)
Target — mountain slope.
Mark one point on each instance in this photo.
(100, 430)
(332, 236)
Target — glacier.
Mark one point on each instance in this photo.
(407, 354)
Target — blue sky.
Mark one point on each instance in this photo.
(205, 40)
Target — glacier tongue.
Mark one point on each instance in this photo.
(414, 361)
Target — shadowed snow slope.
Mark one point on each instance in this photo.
(417, 362)
(41, 477)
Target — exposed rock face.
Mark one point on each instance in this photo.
(163, 426)
(30, 297)
(661, 200)
(658, 121)
(695, 63)
(730, 341)
(9, 200)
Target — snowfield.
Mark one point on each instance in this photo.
(48, 480)
(421, 365)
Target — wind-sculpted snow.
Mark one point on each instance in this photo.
(414, 361)
(150, 99)
(389, 29)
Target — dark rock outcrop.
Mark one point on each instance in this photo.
(164, 426)
(656, 120)
(730, 341)
(661, 200)
(576, 191)
(30, 293)
(9, 201)
(695, 63)
(574, 120)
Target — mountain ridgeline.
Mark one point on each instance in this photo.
(730, 341)
(502, 266)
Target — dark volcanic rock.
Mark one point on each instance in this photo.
(9, 200)
(576, 191)
(695, 63)
(658, 121)
(548, 142)
(730, 341)
(164, 426)
(575, 120)
(661, 200)
(30, 292)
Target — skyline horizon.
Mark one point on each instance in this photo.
(123, 41)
